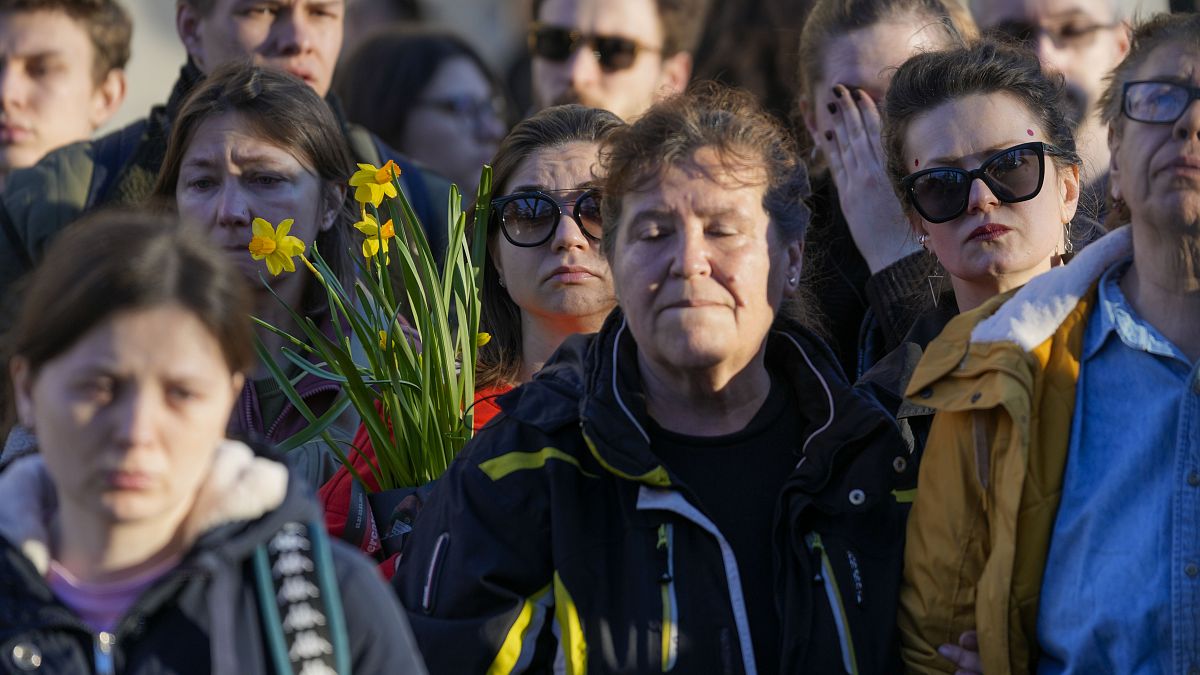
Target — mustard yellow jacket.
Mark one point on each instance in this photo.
(1002, 379)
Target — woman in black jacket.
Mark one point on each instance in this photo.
(138, 539)
(659, 496)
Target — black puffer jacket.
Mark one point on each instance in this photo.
(557, 539)
(203, 616)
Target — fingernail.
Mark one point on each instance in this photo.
(832, 108)
(855, 94)
(837, 92)
(829, 135)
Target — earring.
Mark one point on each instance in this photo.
(793, 280)
(921, 239)
(935, 279)
(1068, 245)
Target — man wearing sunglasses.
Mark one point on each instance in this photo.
(1083, 40)
(619, 55)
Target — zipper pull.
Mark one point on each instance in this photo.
(103, 655)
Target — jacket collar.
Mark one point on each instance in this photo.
(594, 381)
(239, 487)
(1019, 320)
(1037, 310)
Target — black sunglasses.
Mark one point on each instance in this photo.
(554, 43)
(530, 218)
(1014, 175)
(1156, 102)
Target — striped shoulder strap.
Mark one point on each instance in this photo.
(301, 607)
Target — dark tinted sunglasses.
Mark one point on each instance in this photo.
(531, 218)
(1014, 175)
(1155, 102)
(557, 44)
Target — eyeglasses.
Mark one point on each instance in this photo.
(1155, 102)
(480, 112)
(1014, 175)
(530, 218)
(614, 53)
(1070, 35)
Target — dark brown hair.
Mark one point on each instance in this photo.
(382, 101)
(107, 24)
(114, 262)
(1148, 36)
(830, 20)
(682, 22)
(500, 359)
(707, 115)
(744, 136)
(285, 112)
(928, 80)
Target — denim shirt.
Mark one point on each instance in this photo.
(1121, 589)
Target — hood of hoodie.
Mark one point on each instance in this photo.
(244, 500)
(592, 381)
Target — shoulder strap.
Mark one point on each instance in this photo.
(112, 152)
(300, 604)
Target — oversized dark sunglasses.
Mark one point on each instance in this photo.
(1155, 102)
(530, 218)
(554, 43)
(1014, 175)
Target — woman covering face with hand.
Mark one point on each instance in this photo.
(860, 246)
(129, 542)
(667, 474)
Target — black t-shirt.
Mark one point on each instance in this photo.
(737, 479)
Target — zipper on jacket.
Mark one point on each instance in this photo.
(840, 620)
(666, 581)
(103, 653)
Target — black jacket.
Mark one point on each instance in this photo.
(861, 311)
(557, 536)
(202, 617)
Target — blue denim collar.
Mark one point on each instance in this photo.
(1117, 317)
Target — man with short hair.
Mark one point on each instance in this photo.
(620, 55)
(1082, 39)
(302, 37)
(62, 74)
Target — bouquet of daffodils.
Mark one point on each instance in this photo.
(414, 395)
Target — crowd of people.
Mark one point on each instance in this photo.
(903, 379)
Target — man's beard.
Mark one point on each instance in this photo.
(1077, 106)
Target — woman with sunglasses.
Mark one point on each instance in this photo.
(1058, 494)
(862, 258)
(544, 279)
(984, 163)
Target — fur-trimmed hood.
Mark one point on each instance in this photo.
(1037, 310)
(239, 487)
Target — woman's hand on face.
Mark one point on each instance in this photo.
(964, 655)
(854, 151)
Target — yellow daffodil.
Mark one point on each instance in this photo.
(373, 184)
(275, 245)
(377, 236)
(383, 339)
(482, 339)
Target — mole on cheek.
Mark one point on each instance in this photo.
(1029, 131)
(916, 162)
